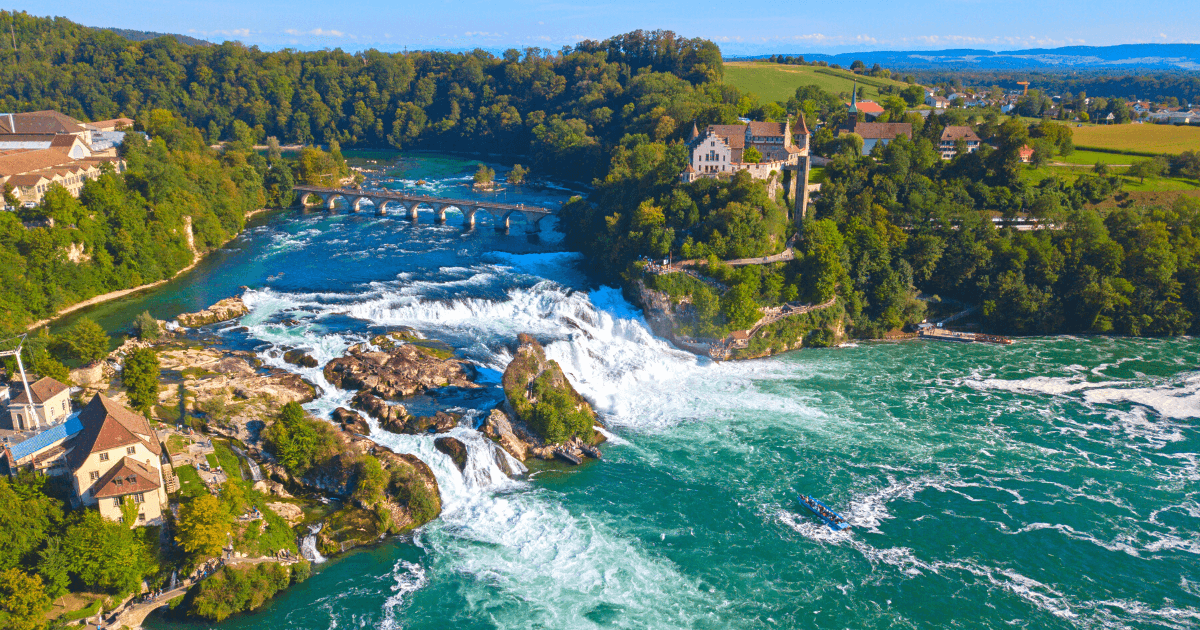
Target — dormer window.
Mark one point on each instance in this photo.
(118, 482)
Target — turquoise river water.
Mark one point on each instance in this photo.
(1054, 483)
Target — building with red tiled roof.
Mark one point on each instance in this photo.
(874, 133)
(115, 458)
(47, 402)
(952, 134)
(41, 149)
(720, 149)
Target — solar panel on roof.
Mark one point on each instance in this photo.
(47, 438)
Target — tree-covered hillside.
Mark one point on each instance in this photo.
(560, 108)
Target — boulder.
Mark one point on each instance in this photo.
(289, 511)
(351, 421)
(227, 309)
(398, 371)
(272, 487)
(390, 417)
(498, 427)
(89, 375)
(300, 358)
(454, 448)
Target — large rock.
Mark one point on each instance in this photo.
(533, 381)
(397, 371)
(498, 427)
(289, 511)
(350, 421)
(300, 358)
(454, 448)
(227, 309)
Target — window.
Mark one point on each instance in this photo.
(94, 475)
(117, 502)
(131, 450)
(139, 497)
(64, 405)
(141, 518)
(103, 457)
(118, 482)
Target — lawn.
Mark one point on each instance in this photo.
(190, 485)
(1167, 139)
(1071, 173)
(230, 463)
(778, 82)
(1090, 158)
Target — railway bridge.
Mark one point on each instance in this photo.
(385, 200)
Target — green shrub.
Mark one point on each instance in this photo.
(232, 590)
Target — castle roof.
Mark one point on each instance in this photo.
(766, 129)
(733, 135)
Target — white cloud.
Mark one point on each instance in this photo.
(320, 32)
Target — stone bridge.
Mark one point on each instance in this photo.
(385, 200)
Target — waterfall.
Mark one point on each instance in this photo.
(308, 547)
(174, 579)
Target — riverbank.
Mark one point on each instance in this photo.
(197, 257)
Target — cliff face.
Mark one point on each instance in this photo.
(551, 418)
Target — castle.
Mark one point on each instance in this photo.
(721, 149)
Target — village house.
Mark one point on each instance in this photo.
(40, 149)
(950, 137)
(43, 403)
(114, 457)
(1025, 153)
(874, 133)
(937, 102)
(110, 454)
(721, 149)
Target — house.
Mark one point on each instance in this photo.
(41, 149)
(937, 102)
(1025, 153)
(950, 137)
(115, 457)
(874, 133)
(721, 148)
(38, 405)
(867, 110)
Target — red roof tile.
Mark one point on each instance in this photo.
(42, 390)
(108, 425)
(128, 477)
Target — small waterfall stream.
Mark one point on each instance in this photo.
(308, 547)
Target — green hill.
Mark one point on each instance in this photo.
(778, 82)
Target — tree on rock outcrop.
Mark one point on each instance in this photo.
(298, 441)
(543, 398)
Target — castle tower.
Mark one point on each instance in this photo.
(798, 185)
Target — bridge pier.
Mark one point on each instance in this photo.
(439, 213)
(532, 224)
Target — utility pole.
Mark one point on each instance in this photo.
(7, 350)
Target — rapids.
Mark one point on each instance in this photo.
(1054, 483)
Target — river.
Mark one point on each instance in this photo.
(1054, 483)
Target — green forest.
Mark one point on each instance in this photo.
(177, 200)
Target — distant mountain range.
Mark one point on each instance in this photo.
(1117, 58)
(139, 36)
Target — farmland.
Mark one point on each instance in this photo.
(1142, 138)
(778, 82)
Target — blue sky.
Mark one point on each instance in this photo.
(750, 28)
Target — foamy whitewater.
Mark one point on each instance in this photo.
(1054, 483)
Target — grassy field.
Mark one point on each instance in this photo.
(778, 82)
(1132, 184)
(1167, 139)
(1090, 158)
